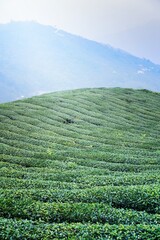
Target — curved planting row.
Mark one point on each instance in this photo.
(81, 164)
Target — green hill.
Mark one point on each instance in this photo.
(81, 164)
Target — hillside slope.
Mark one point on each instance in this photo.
(81, 164)
(35, 59)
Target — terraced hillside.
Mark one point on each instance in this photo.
(81, 164)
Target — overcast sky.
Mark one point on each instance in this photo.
(93, 19)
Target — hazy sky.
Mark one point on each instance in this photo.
(94, 19)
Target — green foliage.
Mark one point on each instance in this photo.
(82, 164)
(24, 229)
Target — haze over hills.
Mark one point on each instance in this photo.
(81, 164)
(144, 38)
(35, 59)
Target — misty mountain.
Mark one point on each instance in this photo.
(139, 40)
(35, 59)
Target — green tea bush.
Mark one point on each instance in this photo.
(24, 229)
(81, 164)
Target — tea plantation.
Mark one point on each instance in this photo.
(81, 164)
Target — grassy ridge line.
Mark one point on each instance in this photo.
(83, 107)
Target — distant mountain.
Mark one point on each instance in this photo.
(139, 40)
(35, 59)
